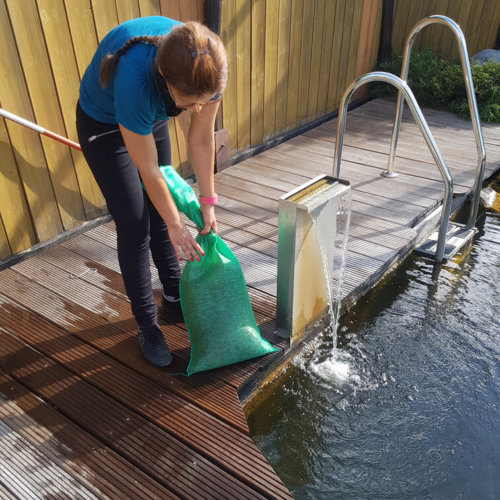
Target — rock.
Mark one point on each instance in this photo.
(487, 197)
(486, 55)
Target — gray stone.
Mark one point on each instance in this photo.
(487, 197)
(485, 56)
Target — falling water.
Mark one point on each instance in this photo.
(335, 274)
(331, 364)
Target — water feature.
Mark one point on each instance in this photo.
(327, 361)
(313, 222)
(409, 405)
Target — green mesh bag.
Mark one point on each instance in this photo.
(214, 297)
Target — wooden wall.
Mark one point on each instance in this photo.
(478, 19)
(45, 46)
(291, 60)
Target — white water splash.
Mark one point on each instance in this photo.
(336, 368)
(332, 369)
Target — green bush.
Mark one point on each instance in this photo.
(439, 83)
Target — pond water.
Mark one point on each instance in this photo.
(408, 407)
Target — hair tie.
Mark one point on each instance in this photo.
(195, 53)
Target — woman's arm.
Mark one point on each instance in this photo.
(202, 153)
(142, 150)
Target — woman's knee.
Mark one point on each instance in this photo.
(132, 227)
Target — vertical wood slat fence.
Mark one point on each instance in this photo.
(289, 63)
(478, 19)
(45, 47)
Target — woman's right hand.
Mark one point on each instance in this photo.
(183, 242)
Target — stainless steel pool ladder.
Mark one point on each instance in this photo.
(446, 242)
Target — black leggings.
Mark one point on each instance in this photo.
(139, 227)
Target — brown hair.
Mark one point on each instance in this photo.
(191, 58)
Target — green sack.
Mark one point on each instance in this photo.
(214, 297)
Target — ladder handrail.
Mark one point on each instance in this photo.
(405, 90)
(471, 98)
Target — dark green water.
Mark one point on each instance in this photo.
(409, 405)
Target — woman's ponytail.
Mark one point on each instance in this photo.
(110, 61)
(108, 68)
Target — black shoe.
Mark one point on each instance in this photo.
(171, 310)
(153, 346)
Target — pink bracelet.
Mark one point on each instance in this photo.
(209, 200)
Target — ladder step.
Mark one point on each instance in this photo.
(456, 237)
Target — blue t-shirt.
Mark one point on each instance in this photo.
(131, 97)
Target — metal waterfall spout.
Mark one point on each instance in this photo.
(312, 242)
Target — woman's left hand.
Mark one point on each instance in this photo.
(208, 213)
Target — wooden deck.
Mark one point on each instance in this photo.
(83, 416)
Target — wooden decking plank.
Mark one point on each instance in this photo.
(371, 167)
(374, 250)
(103, 277)
(206, 396)
(259, 228)
(263, 302)
(259, 270)
(404, 210)
(463, 178)
(96, 466)
(6, 494)
(411, 143)
(367, 221)
(466, 161)
(214, 397)
(379, 237)
(258, 176)
(27, 472)
(360, 180)
(459, 151)
(255, 166)
(401, 212)
(376, 212)
(98, 253)
(127, 432)
(231, 191)
(348, 168)
(260, 190)
(367, 193)
(243, 207)
(100, 373)
(384, 108)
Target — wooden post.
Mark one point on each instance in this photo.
(212, 14)
(385, 47)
